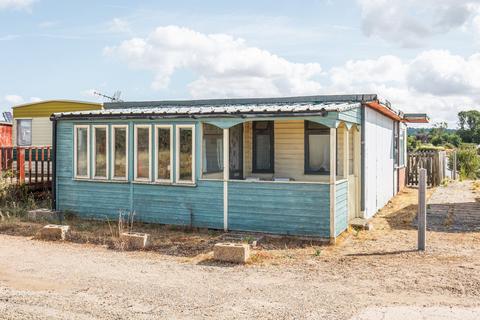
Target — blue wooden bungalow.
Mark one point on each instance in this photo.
(292, 166)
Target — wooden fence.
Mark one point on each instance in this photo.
(27, 165)
(435, 162)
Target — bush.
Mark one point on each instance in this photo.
(429, 147)
(468, 162)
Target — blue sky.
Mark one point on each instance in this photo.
(420, 56)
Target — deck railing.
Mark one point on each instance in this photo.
(27, 165)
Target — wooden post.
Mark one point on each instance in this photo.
(422, 209)
(346, 150)
(333, 179)
(21, 165)
(454, 172)
(226, 176)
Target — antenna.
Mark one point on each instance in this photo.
(114, 98)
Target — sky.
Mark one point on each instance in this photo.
(422, 56)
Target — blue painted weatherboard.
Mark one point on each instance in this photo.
(341, 207)
(353, 115)
(198, 206)
(280, 208)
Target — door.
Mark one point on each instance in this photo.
(236, 151)
(353, 174)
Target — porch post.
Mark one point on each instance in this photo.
(333, 178)
(226, 173)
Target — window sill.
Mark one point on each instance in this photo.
(100, 180)
(158, 183)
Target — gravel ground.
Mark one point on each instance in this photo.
(368, 275)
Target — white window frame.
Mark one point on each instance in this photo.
(112, 150)
(169, 127)
(177, 151)
(135, 148)
(107, 151)
(75, 131)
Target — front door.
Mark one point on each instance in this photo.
(236, 151)
(354, 172)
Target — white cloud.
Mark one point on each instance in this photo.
(225, 66)
(16, 4)
(13, 99)
(435, 81)
(410, 22)
(118, 25)
(35, 99)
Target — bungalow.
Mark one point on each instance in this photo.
(294, 166)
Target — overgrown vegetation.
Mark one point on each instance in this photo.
(468, 161)
(17, 200)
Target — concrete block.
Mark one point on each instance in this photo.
(135, 240)
(231, 252)
(41, 214)
(54, 232)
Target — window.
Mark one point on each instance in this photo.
(185, 154)
(317, 148)
(24, 132)
(120, 152)
(142, 152)
(351, 150)
(81, 151)
(163, 153)
(100, 153)
(263, 147)
(212, 149)
(402, 147)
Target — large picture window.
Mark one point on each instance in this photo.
(212, 160)
(81, 151)
(24, 132)
(100, 151)
(163, 153)
(143, 147)
(120, 152)
(317, 148)
(185, 154)
(263, 147)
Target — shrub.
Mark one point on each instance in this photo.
(468, 162)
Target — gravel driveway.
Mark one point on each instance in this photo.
(369, 275)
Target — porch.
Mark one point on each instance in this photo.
(293, 176)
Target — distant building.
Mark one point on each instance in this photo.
(31, 121)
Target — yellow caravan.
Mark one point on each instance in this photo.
(31, 121)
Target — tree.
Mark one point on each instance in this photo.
(469, 123)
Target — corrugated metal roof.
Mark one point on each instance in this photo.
(215, 109)
(344, 98)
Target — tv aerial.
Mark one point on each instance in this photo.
(114, 98)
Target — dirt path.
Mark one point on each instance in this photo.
(368, 275)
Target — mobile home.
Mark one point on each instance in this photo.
(31, 121)
(294, 166)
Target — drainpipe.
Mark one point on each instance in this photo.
(54, 163)
(362, 161)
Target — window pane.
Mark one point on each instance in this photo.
(143, 152)
(351, 149)
(212, 149)
(319, 153)
(186, 149)
(24, 132)
(100, 152)
(120, 153)
(82, 151)
(163, 164)
(262, 160)
(402, 147)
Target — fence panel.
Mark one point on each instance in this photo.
(433, 161)
(27, 165)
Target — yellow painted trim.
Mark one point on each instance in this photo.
(47, 108)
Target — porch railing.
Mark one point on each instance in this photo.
(27, 165)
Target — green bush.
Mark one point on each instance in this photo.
(468, 162)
